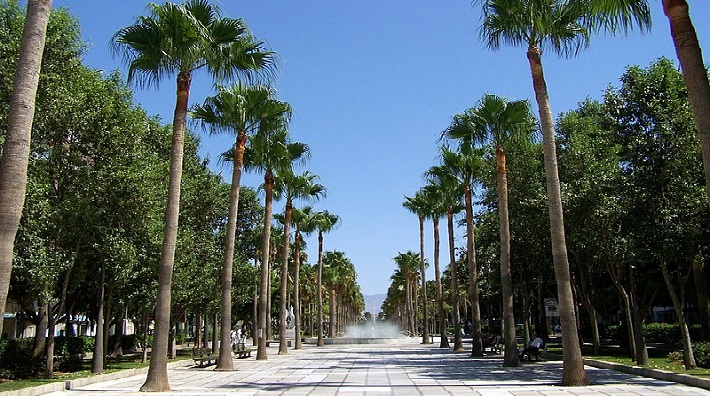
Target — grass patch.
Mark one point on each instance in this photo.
(657, 356)
(112, 365)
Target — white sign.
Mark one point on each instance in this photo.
(551, 307)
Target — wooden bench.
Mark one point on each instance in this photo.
(495, 345)
(536, 353)
(204, 356)
(241, 351)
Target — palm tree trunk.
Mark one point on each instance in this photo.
(16, 149)
(477, 347)
(283, 346)
(319, 286)
(296, 291)
(422, 266)
(573, 365)
(264, 289)
(510, 358)
(695, 74)
(224, 362)
(458, 344)
(444, 343)
(157, 378)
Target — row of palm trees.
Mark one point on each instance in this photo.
(179, 39)
(250, 110)
(564, 27)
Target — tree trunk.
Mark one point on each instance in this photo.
(283, 346)
(16, 149)
(695, 74)
(426, 339)
(591, 311)
(477, 343)
(688, 358)
(444, 342)
(319, 286)
(265, 289)
(701, 289)
(573, 365)
(637, 316)
(616, 277)
(40, 340)
(224, 362)
(510, 357)
(157, 378)
(296, 292)
(97, 362)
(458, 344)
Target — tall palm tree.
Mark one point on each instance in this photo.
(291, 186)
(407, 264)
(239, 109)
(178, 39)
(564, 27)
(445, 177)
(498, 121)
(16, 149)
(418, 205)
(270, 152)
(304, 224)
(465, 165)
(695, 74)
(433, 196)
(324, 222)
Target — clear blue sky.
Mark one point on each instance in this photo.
(372, 84)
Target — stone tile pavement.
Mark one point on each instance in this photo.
(402, 369)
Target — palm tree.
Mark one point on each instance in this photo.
(303, 223)
(16, 149)
(270, 152)
(564, 27)
(291, 186)
(435, 210)
(242, 109)
(418, 205)
(324, 222)
(466, 167)
(496, 120)
(179, 39)
(407, 264)
(695, 74)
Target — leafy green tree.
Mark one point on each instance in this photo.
(564, 27)
(16, 147)
(663, 192)
(303, 221)
(177, 39)
(407, 264)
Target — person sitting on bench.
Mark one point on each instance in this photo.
(532, 349)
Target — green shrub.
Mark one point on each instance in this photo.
(73, 345)
(662, 332)
(180, 338)
(675, 357)
(701, 352)
(613, 332)
(16, 359)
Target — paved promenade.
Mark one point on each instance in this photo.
(403, 369)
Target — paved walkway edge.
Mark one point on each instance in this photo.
(71, 384)
(663, 375)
